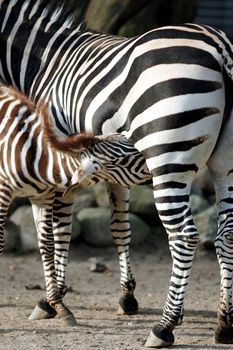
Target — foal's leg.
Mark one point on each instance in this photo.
(5, 200)
(121, 233)
(43, 215)
(62, 225)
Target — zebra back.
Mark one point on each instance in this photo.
(28, 161)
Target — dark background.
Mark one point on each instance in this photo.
(132, 17)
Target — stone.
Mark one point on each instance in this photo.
(12, 237)
(207, 226)
(76, 228)
(95, 224)
(142, 203)
(198, 204)
(101, 194)
(23, 218)
(204, 181)
(96, 266)
(86, 198)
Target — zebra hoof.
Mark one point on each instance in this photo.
(128, 305)
(69, 321)
(180, 320)
(224, 335)
(160, 338)
(42, 311)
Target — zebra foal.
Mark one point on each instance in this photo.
(31, 168)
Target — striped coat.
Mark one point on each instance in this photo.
(165, 90)
(31, 168)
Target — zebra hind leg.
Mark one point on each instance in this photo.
(172, 202)
(224, 250)
(121, 233)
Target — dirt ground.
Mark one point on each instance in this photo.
(94, 301)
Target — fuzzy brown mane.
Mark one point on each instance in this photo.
(12, 91)
(71, 143)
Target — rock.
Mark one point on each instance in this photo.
(142, 203)
(23, 218)
(96, 266)
(198, 203)
(204, 182)
(101, 194)
(76, 228)
(12, 237)
(95, 223)
(84, 199)
(207, 226)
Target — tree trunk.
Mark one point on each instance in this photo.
(110, 15)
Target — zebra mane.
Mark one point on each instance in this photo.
(73, 143)
(13, 91)
(57, 11)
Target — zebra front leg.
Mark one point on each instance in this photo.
(121, 233)
(52, 305)
(62, 226)
(172, 202)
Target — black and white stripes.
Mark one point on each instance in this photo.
(31, 168)
(163, 90)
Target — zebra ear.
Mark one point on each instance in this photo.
(81, 177)
(76, 185)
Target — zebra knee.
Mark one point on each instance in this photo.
(228, 238)
(189, 242)
(192, 240)
(225, 239)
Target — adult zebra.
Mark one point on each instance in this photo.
(161, 89)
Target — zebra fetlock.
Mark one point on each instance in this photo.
(223, 334)
(128, 305)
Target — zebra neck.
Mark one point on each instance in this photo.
(33, 43)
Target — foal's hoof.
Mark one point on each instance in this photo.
(128, 305)
(69, 320)
(224, 335)
(42, 311)
(180, 320)
(160, 338)
(65, 315)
